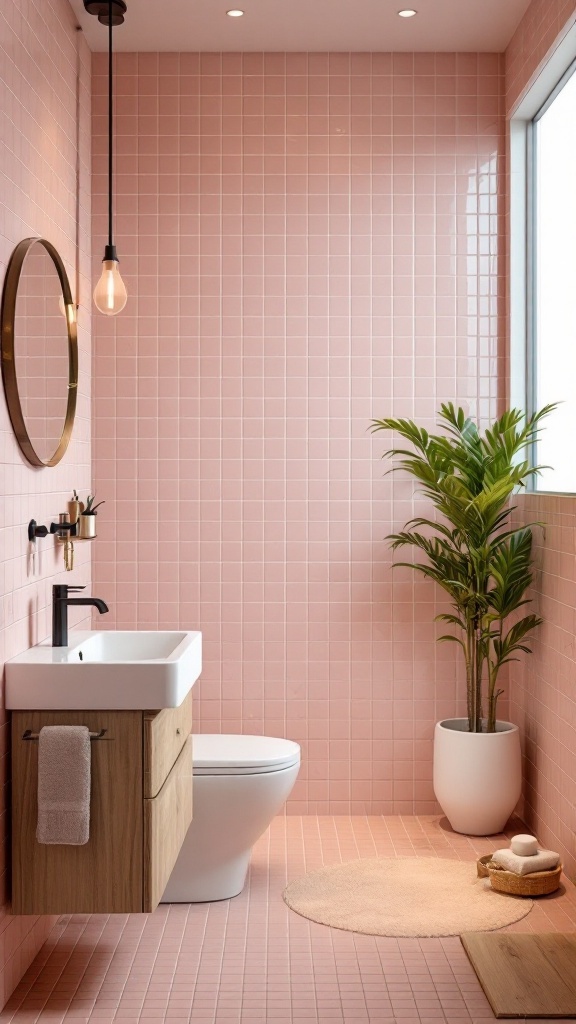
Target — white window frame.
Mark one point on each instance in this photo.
(541, 91)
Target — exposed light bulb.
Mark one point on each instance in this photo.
(110, 294)
(235, 14)
(409, 12)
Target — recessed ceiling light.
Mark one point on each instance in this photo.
(234, 14)
(408, 13)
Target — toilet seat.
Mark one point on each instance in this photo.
(221, 754)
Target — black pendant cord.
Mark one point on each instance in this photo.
(110, 116)
(111, 13)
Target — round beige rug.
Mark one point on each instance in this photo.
(404, 896)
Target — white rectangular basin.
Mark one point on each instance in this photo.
(106, 670)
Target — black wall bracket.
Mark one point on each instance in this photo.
(35, 531)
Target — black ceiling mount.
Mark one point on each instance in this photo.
(101, 8)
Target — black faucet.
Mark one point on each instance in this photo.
(60, 603)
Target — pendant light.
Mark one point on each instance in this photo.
(110, 292)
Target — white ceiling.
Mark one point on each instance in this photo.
(313, 25)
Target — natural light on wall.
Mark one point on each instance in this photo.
(554, 285)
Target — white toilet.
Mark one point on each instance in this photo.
(239, 784)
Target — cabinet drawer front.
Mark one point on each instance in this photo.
(166, 821)
(165, 733)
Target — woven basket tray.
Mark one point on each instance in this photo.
(481, 866)
(538, 883)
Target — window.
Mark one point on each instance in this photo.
(551, 316)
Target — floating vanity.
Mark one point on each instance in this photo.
(132, 691)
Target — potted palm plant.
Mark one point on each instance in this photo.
(484, 564)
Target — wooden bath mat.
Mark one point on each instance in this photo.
(525, 975)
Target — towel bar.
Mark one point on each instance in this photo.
(29, 735)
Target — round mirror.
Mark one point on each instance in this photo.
(39, 351)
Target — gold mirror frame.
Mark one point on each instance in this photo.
(9, 377)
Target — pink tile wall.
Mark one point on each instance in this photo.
(543, 700)
(308, 240)
(541, 28)
(40, 57)
(543, 695)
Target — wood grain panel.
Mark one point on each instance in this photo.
(525, 975)
(166, 821)
(165, 733)
(105, 875)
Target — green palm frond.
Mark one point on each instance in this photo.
(514, 640)
(472, 550)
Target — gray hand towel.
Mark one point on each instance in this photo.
(64, 785)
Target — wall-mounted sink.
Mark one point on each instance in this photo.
(107, 669)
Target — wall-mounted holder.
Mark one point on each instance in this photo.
(78, 523)
(63, 530)
(83, 515)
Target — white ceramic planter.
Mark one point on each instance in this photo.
(477, 775)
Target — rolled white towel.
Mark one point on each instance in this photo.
(543, 860)
(524, 846)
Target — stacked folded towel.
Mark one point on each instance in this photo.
(525, 857)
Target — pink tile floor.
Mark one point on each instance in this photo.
(252, 960)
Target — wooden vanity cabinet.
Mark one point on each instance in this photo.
(140, 810)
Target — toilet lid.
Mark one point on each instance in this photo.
(218, 754)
